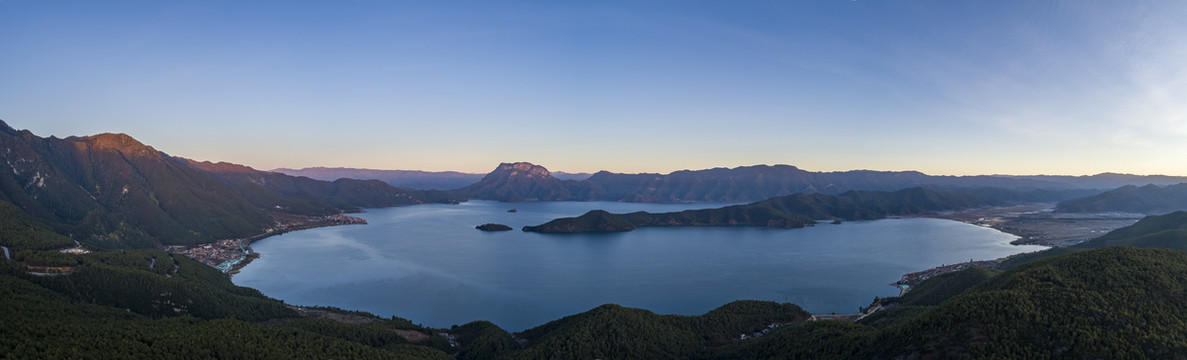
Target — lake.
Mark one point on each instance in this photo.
(428, 264)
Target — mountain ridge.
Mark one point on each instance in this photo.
(1149, 199)
(408, 179)
(111, 190)
(756, 183)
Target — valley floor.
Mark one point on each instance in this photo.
(1036, 224)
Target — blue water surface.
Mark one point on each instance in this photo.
(428, 264)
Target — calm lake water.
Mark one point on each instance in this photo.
(428, 264)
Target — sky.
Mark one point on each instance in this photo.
(949, 87)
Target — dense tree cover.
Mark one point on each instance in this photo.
(791, 211)
(111, 191)
(46, 258)
(19, 231)
(932, 292)
(378, 334)
(945, 286)
(615, 332)
(1019, 259)
(1116, 302)
(101, 230)
(72, 316)
(481, 340)
(1109, 303)
(124, 279)
(64, 181)
(805, 340)
(1164, 231)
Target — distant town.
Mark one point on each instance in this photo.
(230, 255)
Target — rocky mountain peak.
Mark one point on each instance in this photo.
(521, 169)
(519, 181)
(120, 143)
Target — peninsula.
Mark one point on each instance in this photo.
(791, 211)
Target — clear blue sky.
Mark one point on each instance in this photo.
(944, 87)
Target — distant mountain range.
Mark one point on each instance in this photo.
(528, 182)
(524, 181)
(1149, 199)
(407, 179)
(1101, 181)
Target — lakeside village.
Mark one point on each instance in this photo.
(230, 255)
(910, 280)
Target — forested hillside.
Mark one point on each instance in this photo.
(111, 191)
(305, 196)
(792, 211)
(1110, 303)
(1149, 199)
(147, 304)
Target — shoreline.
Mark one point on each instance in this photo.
(1038, 224)
(992, 218)
(231, 255)
(1033, 224)
(918, 276)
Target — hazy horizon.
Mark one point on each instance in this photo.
(550, 169)
(953, 88)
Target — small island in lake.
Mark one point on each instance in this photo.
(493, 227)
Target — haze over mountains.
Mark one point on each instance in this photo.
(529, 182)
(741, 184)
(1149, 199)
